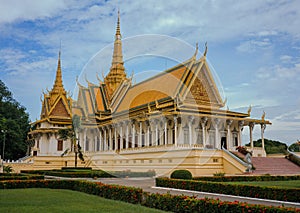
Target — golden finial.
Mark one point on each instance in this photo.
(249, 110)
(263, 116)
(205, 51)
(149, 108)
(196, 51)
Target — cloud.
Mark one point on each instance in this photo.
(254, 45)
(15, 10)
(286, 58)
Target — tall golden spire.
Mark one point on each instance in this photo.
(58, 85)
(58, 88)
(117, 71)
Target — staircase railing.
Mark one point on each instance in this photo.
(293, 153)
(237, 158)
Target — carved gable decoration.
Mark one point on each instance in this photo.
(201, 89)
(198, 93)
(60, 110)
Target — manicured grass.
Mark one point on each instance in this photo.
(58, 200)
(290, 184)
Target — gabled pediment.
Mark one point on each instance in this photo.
(199, 88)
(60, 108)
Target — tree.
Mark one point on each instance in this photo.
(14, 121)
(71, 133)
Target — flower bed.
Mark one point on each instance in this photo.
(133, 195)
(273, 193)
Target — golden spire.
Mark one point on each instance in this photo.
(117, 71)
(58, 85)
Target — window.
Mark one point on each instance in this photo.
(59, 145)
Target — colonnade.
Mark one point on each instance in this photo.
(205, 132)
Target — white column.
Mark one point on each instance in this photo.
(191, 120)
(121, 135)
(175, 130)
(140, 134)
(251, 127)
(156, 134)
(95, 142)
(100, 138)
(115, 126)
(217, 139)
(110, 138)
(165, 120)
(203, 125)
(148, 133)
(263, 127)
(133, 133)
(241, 126)
(228, 140)
(105, 142)
(127, 134)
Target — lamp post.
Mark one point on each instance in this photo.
(3, 146)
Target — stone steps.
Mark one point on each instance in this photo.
(274, 166)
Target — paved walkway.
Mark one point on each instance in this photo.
(148, 185)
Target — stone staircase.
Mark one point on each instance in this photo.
(274, 166)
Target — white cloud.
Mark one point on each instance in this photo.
(15, 10)
(254, 45)
(286, 58)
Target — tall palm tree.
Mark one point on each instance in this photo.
(71, 133)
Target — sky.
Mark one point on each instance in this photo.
(253, 49)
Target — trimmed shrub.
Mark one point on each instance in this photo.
(182, 174)
(273, 193)
(14, 176)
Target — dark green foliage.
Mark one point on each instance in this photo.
(271, 147)
(182, 174)
(15, 120)
(88, 173)
(295, 147)
(273, 193)
(15, 176)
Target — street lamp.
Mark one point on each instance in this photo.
(3, 146)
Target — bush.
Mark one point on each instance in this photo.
(182, 174)
(219, 174)
(14, 176)
(273, 193)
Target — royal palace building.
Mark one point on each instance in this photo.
(174, 120)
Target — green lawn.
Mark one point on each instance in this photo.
(58, 200)
(290, 184)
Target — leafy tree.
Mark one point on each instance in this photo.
(71, 133)
(271, 146)
(14, 120)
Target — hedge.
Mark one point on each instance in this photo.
(14, 176)
(90, 173)
(247, 178)
(115, 192)
(165, 202)
(273, 193)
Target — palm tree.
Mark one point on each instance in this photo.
(71, 133)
